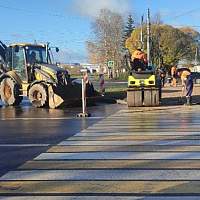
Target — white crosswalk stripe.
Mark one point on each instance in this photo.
(123, 174)
(101, 198)
(118, 155)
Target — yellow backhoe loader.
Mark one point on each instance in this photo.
(27, 70)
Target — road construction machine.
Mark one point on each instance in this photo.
(144, 87)
(27, 70)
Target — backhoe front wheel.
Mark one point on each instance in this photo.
(38, 95)
(10, 92)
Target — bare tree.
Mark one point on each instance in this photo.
(157, 19)
(108, 31)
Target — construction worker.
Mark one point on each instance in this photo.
(173, 75)
(187, 83)
(32, 58)
(162, 74)
(139, 60)
(88, 85)
(85, 77)
(101, 84)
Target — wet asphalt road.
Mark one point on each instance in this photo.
(25, 131)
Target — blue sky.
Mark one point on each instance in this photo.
(66, 23)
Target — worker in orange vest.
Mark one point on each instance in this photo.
(187, 83)
(139, 60)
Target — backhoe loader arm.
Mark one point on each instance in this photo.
(3, 48)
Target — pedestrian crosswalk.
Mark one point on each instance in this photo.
(128, 155)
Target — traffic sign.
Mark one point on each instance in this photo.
(110, 64)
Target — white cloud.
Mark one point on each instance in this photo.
(91, 8)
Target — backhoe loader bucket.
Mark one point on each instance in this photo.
(54, 99)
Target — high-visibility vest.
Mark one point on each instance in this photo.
(139, 55)
(185, 74)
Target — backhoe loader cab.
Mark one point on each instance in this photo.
(27, 70)
(23, 57)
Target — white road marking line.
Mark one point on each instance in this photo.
(130, 142)
(96, 133)
(45, 118)
(160, 197)
(113, 175)
(24, 145)
(119, 155)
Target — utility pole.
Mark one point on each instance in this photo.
(148, 37)
(47, 52)
(196, 56)
(141, 33)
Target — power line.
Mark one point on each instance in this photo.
(186, 13)
(168, 17)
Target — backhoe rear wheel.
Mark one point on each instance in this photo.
(38, 95)
(10, 92)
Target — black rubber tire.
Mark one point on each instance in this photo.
(38, 95)
(10, 92)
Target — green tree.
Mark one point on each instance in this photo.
(128, 29)
(168, 44)
(196, 36)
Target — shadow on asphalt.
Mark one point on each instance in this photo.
(175, 101)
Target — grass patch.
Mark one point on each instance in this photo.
(116, 91)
